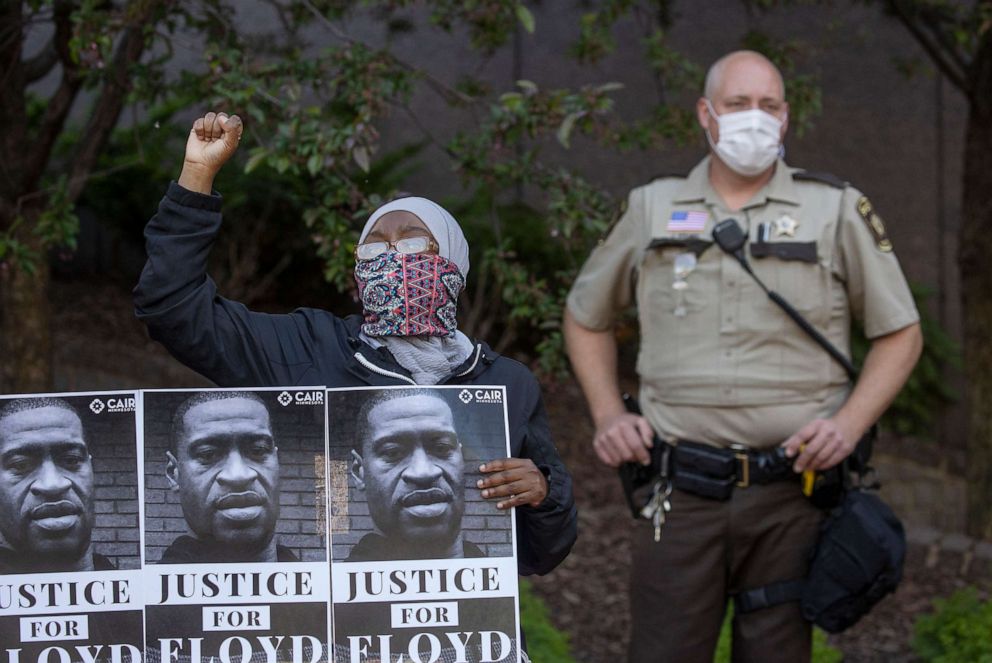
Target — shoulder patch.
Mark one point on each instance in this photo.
(823, 178)
(875, 225)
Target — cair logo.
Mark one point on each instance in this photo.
(481, 396)
(113, 405)
(301, 398)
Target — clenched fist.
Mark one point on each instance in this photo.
(212, 140)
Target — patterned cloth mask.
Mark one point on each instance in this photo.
(408, 294)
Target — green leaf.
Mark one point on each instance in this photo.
(565, 129)
(258, 156)
(362, 158)
(611, 86)
(314, 163)
(526, 18)
(529, 87)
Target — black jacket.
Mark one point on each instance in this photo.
(236, 347)
(187, 550)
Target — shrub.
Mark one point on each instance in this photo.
(958, 631)
(545, 643)
(822, 652)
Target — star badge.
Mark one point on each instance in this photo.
(785, 226)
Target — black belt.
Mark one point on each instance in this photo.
(714, 472)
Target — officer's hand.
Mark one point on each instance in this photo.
(516, 479)
(819, 445)
(211, 142)
(624, 438)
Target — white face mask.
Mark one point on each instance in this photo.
(749, 140)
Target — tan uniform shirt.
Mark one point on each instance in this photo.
(719, 362)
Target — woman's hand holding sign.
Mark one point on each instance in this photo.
(518, 479)
(212, 141)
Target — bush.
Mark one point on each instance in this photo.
(545, 643)
(822, 652)
(958, 631)
(915, 410)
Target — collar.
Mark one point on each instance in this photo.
(381, 362)
(697, 187)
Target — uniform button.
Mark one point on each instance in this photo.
(728, 353)
(729, 319)
(731, 283)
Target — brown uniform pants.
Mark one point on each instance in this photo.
(709, 550)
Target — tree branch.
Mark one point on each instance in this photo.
(108, 107)
(59, 104)
(981, 76)
(944, 61)
(449, 94)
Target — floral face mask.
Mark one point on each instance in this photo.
(408, 294)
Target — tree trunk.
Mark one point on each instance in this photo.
(25, 328)
(976, 293)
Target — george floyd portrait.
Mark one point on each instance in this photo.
(68, 483)
(231, 476)
(404, 468)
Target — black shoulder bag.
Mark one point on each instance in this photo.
(861, 547)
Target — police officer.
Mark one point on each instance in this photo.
(721, 365)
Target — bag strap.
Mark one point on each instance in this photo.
(768, 596)
(736, 249)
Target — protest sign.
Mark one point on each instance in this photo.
(70, 560)
(424, 568)
(234, 511)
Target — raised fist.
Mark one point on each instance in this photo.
(212, 140)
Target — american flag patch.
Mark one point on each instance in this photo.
(687, 222)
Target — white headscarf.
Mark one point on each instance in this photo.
(428, 358)
(450, 238)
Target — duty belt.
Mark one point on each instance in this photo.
(714, 472)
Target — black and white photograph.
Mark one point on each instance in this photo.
(70, 554)
(424, 567)
(404, 466)
(235, 520)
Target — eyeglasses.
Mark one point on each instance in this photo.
(407, 245)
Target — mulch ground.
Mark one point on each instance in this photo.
(587, 594)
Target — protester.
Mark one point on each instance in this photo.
(403, 338)
(720, 365)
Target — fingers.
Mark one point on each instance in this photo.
(623, 439)
(647, 433)
(516, 479)
(815, 448)
(215, 126)
(794, 444)
(232, 128)
(819, 445)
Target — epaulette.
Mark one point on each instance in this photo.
(667, 176)
(823, 178)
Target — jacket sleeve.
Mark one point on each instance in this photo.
(216, 337)
(547, 532)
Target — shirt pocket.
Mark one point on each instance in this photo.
(658, 277)
(797, 272)
(675, 323)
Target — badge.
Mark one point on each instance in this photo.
(684, 264)
(785, 226)
(875, 225)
